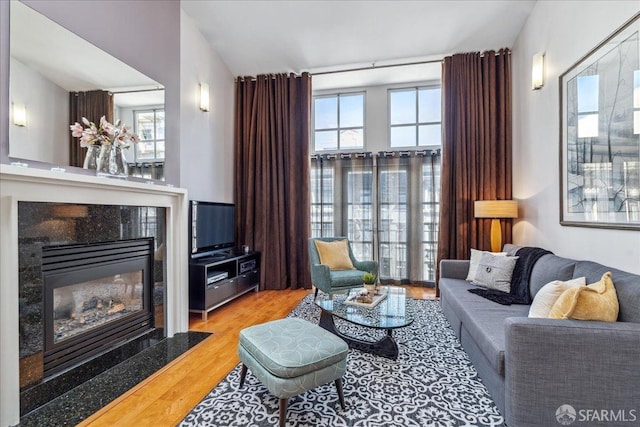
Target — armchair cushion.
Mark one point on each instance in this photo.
(335, 254)
(346, 278)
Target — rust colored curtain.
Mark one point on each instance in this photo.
(92, 105)
(476, 148)
(272, 175)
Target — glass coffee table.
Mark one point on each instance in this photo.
(393, 312)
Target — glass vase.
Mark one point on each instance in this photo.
(91, 159)
(112, 162)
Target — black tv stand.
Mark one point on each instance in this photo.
(217, 279)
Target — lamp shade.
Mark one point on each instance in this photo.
(204, 96)
(496, 209)
(537, 71)
(19, 112)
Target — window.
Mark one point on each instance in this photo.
(430, 215)
(393, 190)
(322, 183)
(149, 126)
(338, 122)
(415, 117)
(386, 201)
(359, 212)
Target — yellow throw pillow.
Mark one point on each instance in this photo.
(334, 254)
(597, 301)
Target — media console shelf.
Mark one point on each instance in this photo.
(216, 281)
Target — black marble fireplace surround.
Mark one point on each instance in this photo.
(42, 226)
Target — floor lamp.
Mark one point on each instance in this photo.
(496, 209)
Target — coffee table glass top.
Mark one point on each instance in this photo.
(395, 311)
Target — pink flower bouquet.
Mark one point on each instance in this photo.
(120, 135)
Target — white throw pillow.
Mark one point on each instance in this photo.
(474, 260)
(494, 272)
(549, 293)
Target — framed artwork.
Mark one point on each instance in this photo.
(600, 134)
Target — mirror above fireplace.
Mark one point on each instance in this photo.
(47, 67)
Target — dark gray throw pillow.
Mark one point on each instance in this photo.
(494, 272)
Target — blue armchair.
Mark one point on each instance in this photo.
(329, 281)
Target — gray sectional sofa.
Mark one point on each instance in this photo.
(533, 366)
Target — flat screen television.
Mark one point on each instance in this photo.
(212, 227)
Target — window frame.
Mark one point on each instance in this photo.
(337, 95)
(417, 123)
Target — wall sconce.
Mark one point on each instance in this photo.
(537, 71)
(495, 209)
(19, 112)
(204, 96)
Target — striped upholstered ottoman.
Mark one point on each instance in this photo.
(290, 356)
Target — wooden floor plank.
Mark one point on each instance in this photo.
(166, 397)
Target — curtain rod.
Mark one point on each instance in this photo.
(272, 76)
(374, 66)
(136, 91)
(371, 67)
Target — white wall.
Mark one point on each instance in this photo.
(206, 138)
(564, 31)
(46, 135)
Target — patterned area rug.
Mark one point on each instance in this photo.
(431, 384)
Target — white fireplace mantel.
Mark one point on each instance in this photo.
(39, 185)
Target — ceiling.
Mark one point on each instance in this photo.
(260, 37)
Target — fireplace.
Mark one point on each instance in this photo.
(113, 210)
(96, 296)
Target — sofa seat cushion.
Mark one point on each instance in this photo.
(291, 347)
(346, 278)
(483, 319)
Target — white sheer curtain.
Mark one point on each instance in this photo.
(386, 204)
(342, 200)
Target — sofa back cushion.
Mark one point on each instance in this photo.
(627, 287)
(549, 268)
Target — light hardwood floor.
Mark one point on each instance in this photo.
(167, 396)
